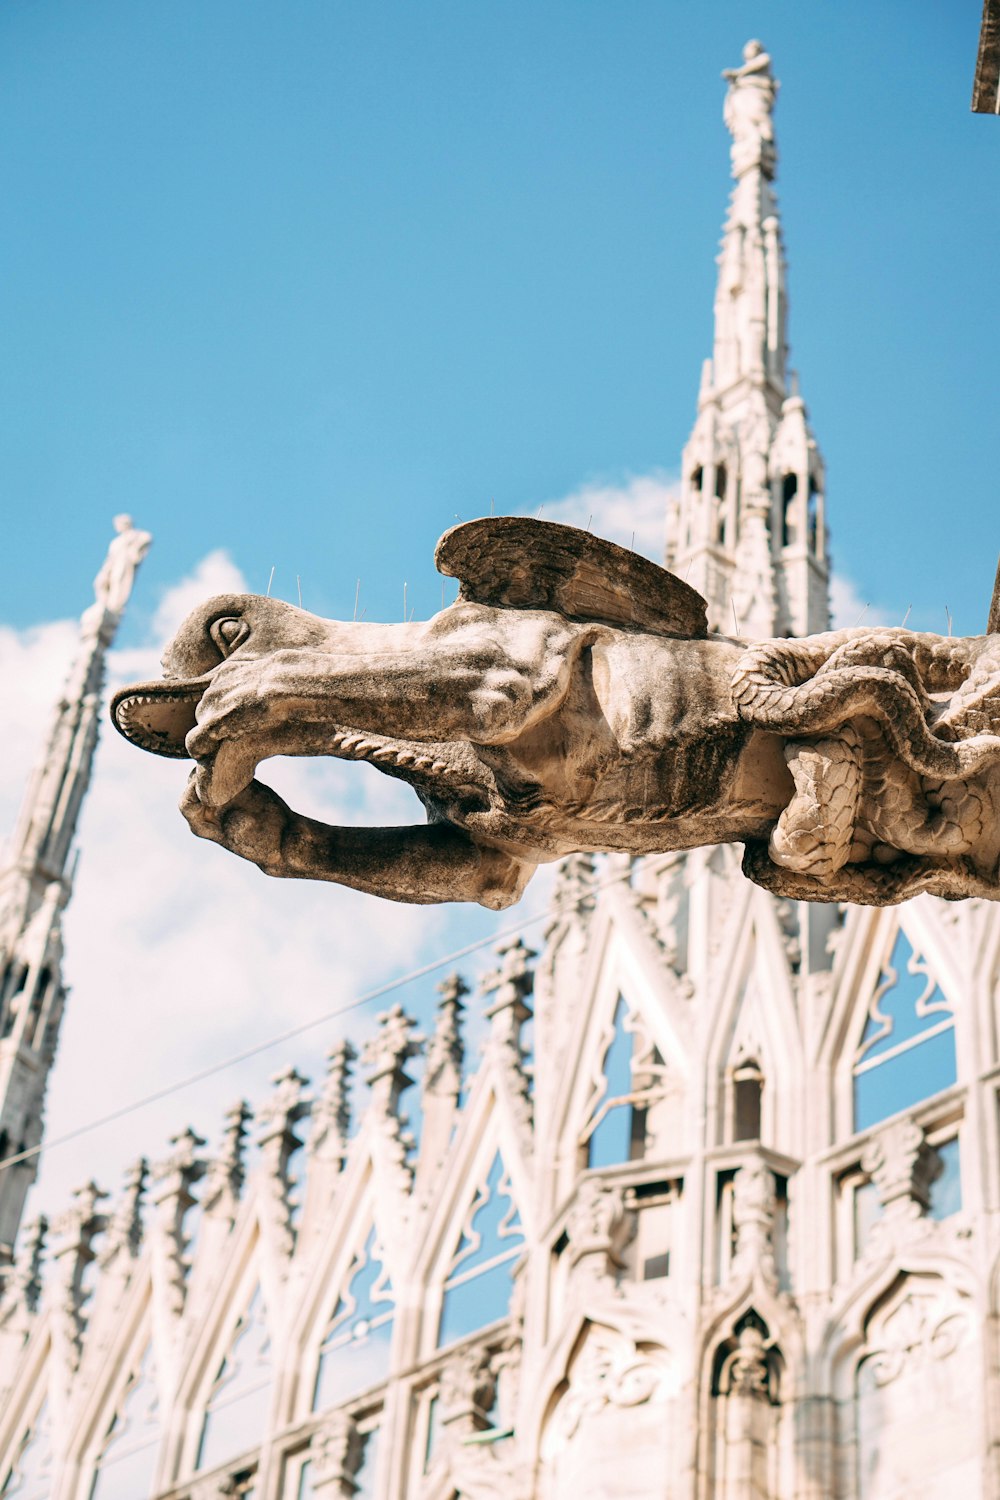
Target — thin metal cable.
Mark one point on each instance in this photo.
(295, 1031)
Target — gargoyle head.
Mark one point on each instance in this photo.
(159, 715)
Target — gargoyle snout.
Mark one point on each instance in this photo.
(158, 716)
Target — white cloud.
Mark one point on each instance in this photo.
(848, 608)
(633, 513)
(215, 574)
(179, 955)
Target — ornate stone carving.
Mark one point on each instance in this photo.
(572, 699)
(335, 1454)
(746, 1371)
(598, 1227)
(608, 1370)
(902, 1166)
(921, 1330)
(466, 1391)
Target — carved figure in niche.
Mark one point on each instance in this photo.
(572, 700)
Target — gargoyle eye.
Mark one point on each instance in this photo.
(228, 633)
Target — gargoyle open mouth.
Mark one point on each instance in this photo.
(158, 716)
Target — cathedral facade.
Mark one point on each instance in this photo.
(714, 1216)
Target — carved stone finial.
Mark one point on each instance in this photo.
(386, 1054)
(278, 1141)
(278, 1117)
(226, 1171)
(76, 1230)
(335, 1455)
(573, 891)
(445, 1052)
(176, 1174)
(902, 1166)
(174, 1178)
(26, 1282)
(510, 985)
(125, 1228)
(331, 1120)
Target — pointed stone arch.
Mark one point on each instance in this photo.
(895, 951)
(358, 1240)
(485, 1135)
(609, 1398)
(629, 988)
(755, 1033)
(126, 1452)
(116, 1362)
(241, 1311)
(30, 1403)
(907, 1371)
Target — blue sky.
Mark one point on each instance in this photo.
(306, 280)
(296, 283)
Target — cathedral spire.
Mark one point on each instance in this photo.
(37, 877)
(749, 530)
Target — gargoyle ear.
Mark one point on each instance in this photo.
(229, 632)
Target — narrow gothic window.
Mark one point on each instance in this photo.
(946, 1189)
(128, 1454)
(813, 515)
(721, 482)
(789, 490)
(354, 1353)
(616, 1131)
(236, 1411)
(30, 1475)
(748, 1092)
(907, 1049)
(867, 1212)
(479, 1280)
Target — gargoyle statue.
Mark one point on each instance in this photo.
(572, 699)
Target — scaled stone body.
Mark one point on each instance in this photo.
(572, 700)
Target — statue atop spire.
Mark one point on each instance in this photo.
(114, 581)
(748, 111)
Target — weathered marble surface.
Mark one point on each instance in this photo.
(572, 699)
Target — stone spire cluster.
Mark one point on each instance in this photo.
(37, 877)
(749, 530)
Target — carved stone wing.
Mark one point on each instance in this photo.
(529, 564)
